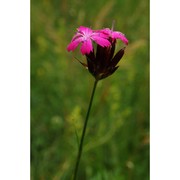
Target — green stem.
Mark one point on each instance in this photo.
(84, 131)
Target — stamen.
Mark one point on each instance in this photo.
(113, 23)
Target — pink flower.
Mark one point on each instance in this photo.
(85, 36)
(115, 35)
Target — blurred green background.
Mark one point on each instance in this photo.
(117, 140)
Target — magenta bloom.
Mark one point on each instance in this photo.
(103, 61)
(85, 36)
(115, 35)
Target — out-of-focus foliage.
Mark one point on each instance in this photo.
(117, 140)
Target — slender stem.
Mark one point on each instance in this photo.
(84, 131)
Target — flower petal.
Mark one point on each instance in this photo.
(115, 35)
(86, 47)
(119, 35)
(77, 35)
(73, 44)
(85, 30)
(101, 41)
(104, 33)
